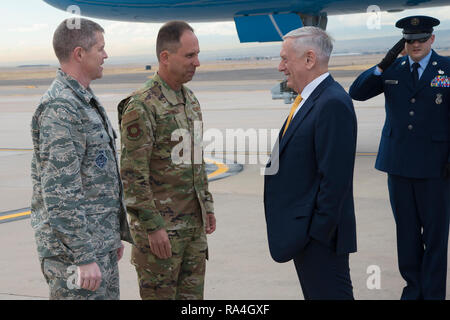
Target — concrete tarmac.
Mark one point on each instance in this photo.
(240, 266)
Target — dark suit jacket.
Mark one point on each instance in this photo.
(416, 134)
(311, 194)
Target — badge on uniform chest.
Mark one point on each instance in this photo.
(101, 159)
(441, 81)
(391, 81)
(439, 98)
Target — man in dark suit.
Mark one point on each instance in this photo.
(308, 201)
(414, 151)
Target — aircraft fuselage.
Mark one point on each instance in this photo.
(222, 10)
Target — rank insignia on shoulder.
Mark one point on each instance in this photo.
(134, 131)
(101, 159)
(441, 81)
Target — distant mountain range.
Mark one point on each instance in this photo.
(382, 44)
(265, 50)
(341, 47)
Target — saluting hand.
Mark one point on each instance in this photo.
(392, 54)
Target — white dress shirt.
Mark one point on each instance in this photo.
(309, 89)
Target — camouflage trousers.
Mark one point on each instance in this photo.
(181, 277)
(61, 276)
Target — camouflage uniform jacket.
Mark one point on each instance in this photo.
(162, 191)
(77, 207)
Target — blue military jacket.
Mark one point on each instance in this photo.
(415, 137)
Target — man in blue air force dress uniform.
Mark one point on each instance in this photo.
(414, 151)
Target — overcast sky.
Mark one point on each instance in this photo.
(27, 28)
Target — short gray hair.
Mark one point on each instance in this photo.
(312, 38)
(67, 37)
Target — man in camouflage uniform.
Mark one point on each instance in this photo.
(77, 211)
(162, 167)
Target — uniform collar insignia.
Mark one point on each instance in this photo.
(169, 93)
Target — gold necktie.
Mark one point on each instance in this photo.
(293, 108)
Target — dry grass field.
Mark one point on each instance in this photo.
(336, 63)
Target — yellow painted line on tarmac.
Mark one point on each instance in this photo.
(221, 168)
(15, 215)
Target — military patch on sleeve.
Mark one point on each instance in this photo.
(134, 131)
(130, 116)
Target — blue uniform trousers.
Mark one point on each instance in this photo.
(421, 210)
